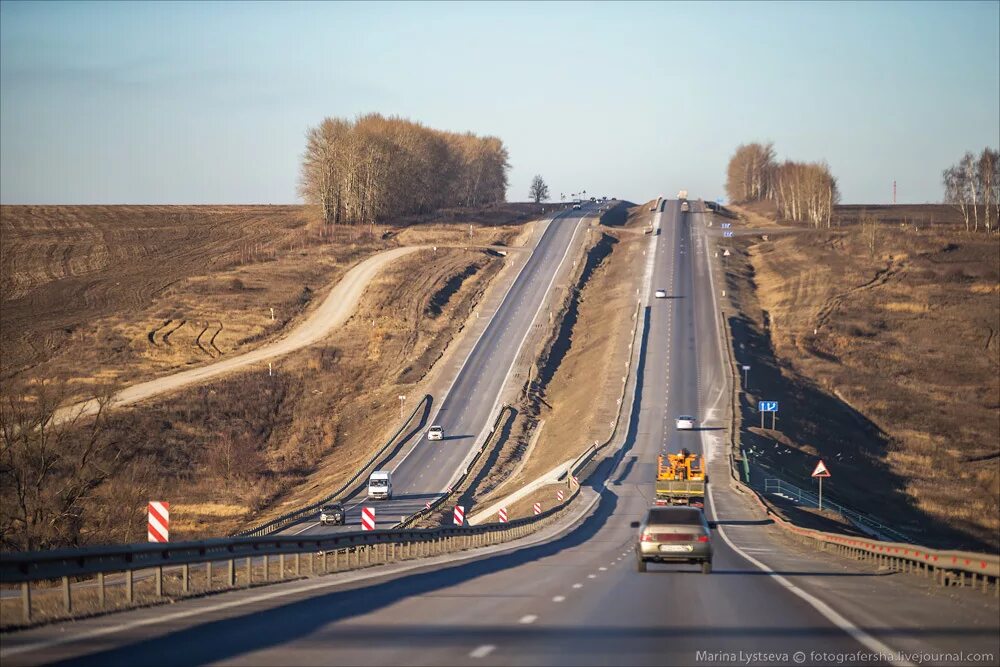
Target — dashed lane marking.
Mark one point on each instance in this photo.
(559, 598)
(577, 585)
(528, 619)
(482, 651)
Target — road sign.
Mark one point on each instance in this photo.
(367, 518)
(459, 515)
(767, 406)
(559, 494)
(538, 508)
(728, 235)
(745, 367)
(158, 529)
(821, 470)
(726, 225)
(502, 514)
(726, 253)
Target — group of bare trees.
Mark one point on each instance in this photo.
(802, 191)
(362, 171)
(973, 187)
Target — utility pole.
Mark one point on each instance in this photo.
(894, 192)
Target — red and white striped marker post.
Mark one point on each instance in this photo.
(559, 494)
(367, 518)
(502, 514)
(538, 508)
(575, 480)
(158, 529)
(459, 515)
(427, 505)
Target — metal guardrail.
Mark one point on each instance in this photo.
(441, 500)
(289, 518)
(946, 567)
(781, 487)
(348, 551)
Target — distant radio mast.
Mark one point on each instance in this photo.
(894, 191)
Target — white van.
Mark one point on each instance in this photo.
(380, 485)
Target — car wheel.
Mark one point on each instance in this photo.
(640, 565)
(706, 567)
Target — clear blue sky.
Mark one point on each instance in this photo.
(209, 103)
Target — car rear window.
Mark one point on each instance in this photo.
(675, 516)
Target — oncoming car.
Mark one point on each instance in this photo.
(435, 433)
(333, 513)
(661, 294)
(685, 423)
(674, 535)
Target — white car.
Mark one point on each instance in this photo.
(435, 433)
(576, 206)
(661, 294)
(685, 423)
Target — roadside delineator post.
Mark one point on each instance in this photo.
(367, 518)
(559, 495)
(502, 515)
(459, 519)
(158, 528)
(538, 508)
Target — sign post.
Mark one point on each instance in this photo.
(746, 376)
(820, 472)
(768, 406)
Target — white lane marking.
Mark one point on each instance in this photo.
(577, 585)
(603, 569)
(559, 598)
(823, 608)
(592, 576)
(311, 525)
(482, 651)
(528, 619)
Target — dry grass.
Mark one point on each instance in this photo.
(889, 360)
(250, 445)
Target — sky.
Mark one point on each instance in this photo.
(205, 103)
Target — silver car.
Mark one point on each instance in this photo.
(674, 535)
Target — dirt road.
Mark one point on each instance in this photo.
(338, 306)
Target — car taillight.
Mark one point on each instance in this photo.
(647, 537)
(703, 538)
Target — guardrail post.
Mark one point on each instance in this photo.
(392, 549)
(281, 567)
(249, 564)
(231, 575)
(336, 560)
(100, 590)
(368, 554)
(67, 595)
(129, 586)
(186, 578)
(208, 575)
(26, 601)
(159, 581)
(267, 569)
(298, 570)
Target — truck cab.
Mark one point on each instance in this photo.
(380, 485)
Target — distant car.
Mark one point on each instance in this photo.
(576, 206)
(661, 294)
(334, 514)
(685, 207)
(435, 433)
(685, 423)
(593, 199)
(674, 535)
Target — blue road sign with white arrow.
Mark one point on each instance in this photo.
(727, 234)
(726, 225)
(767, 406)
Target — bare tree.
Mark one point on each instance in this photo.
(973, 184)
(538, 190)
(869, 231)
(50, 470)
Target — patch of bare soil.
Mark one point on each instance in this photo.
(885, 358)
(583, 358)
(252, 444)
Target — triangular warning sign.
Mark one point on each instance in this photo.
(821, 470)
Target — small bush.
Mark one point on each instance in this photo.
(236, 285)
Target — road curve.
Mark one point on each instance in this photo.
(338, 306)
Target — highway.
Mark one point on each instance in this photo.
(423, 470)
(578, 599)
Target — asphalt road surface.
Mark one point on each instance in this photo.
(423, 471)
(579, 600)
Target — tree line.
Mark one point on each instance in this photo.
(973, 186)
(362, 171)
(801, 191)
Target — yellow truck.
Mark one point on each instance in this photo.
(680, 479)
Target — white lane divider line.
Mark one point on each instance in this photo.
(528, 619)
(482, 651)
(603, 569)
(577, 585)
(559, 598)
(592, 576)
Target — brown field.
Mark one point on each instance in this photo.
(249, 443)
(887, 363)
